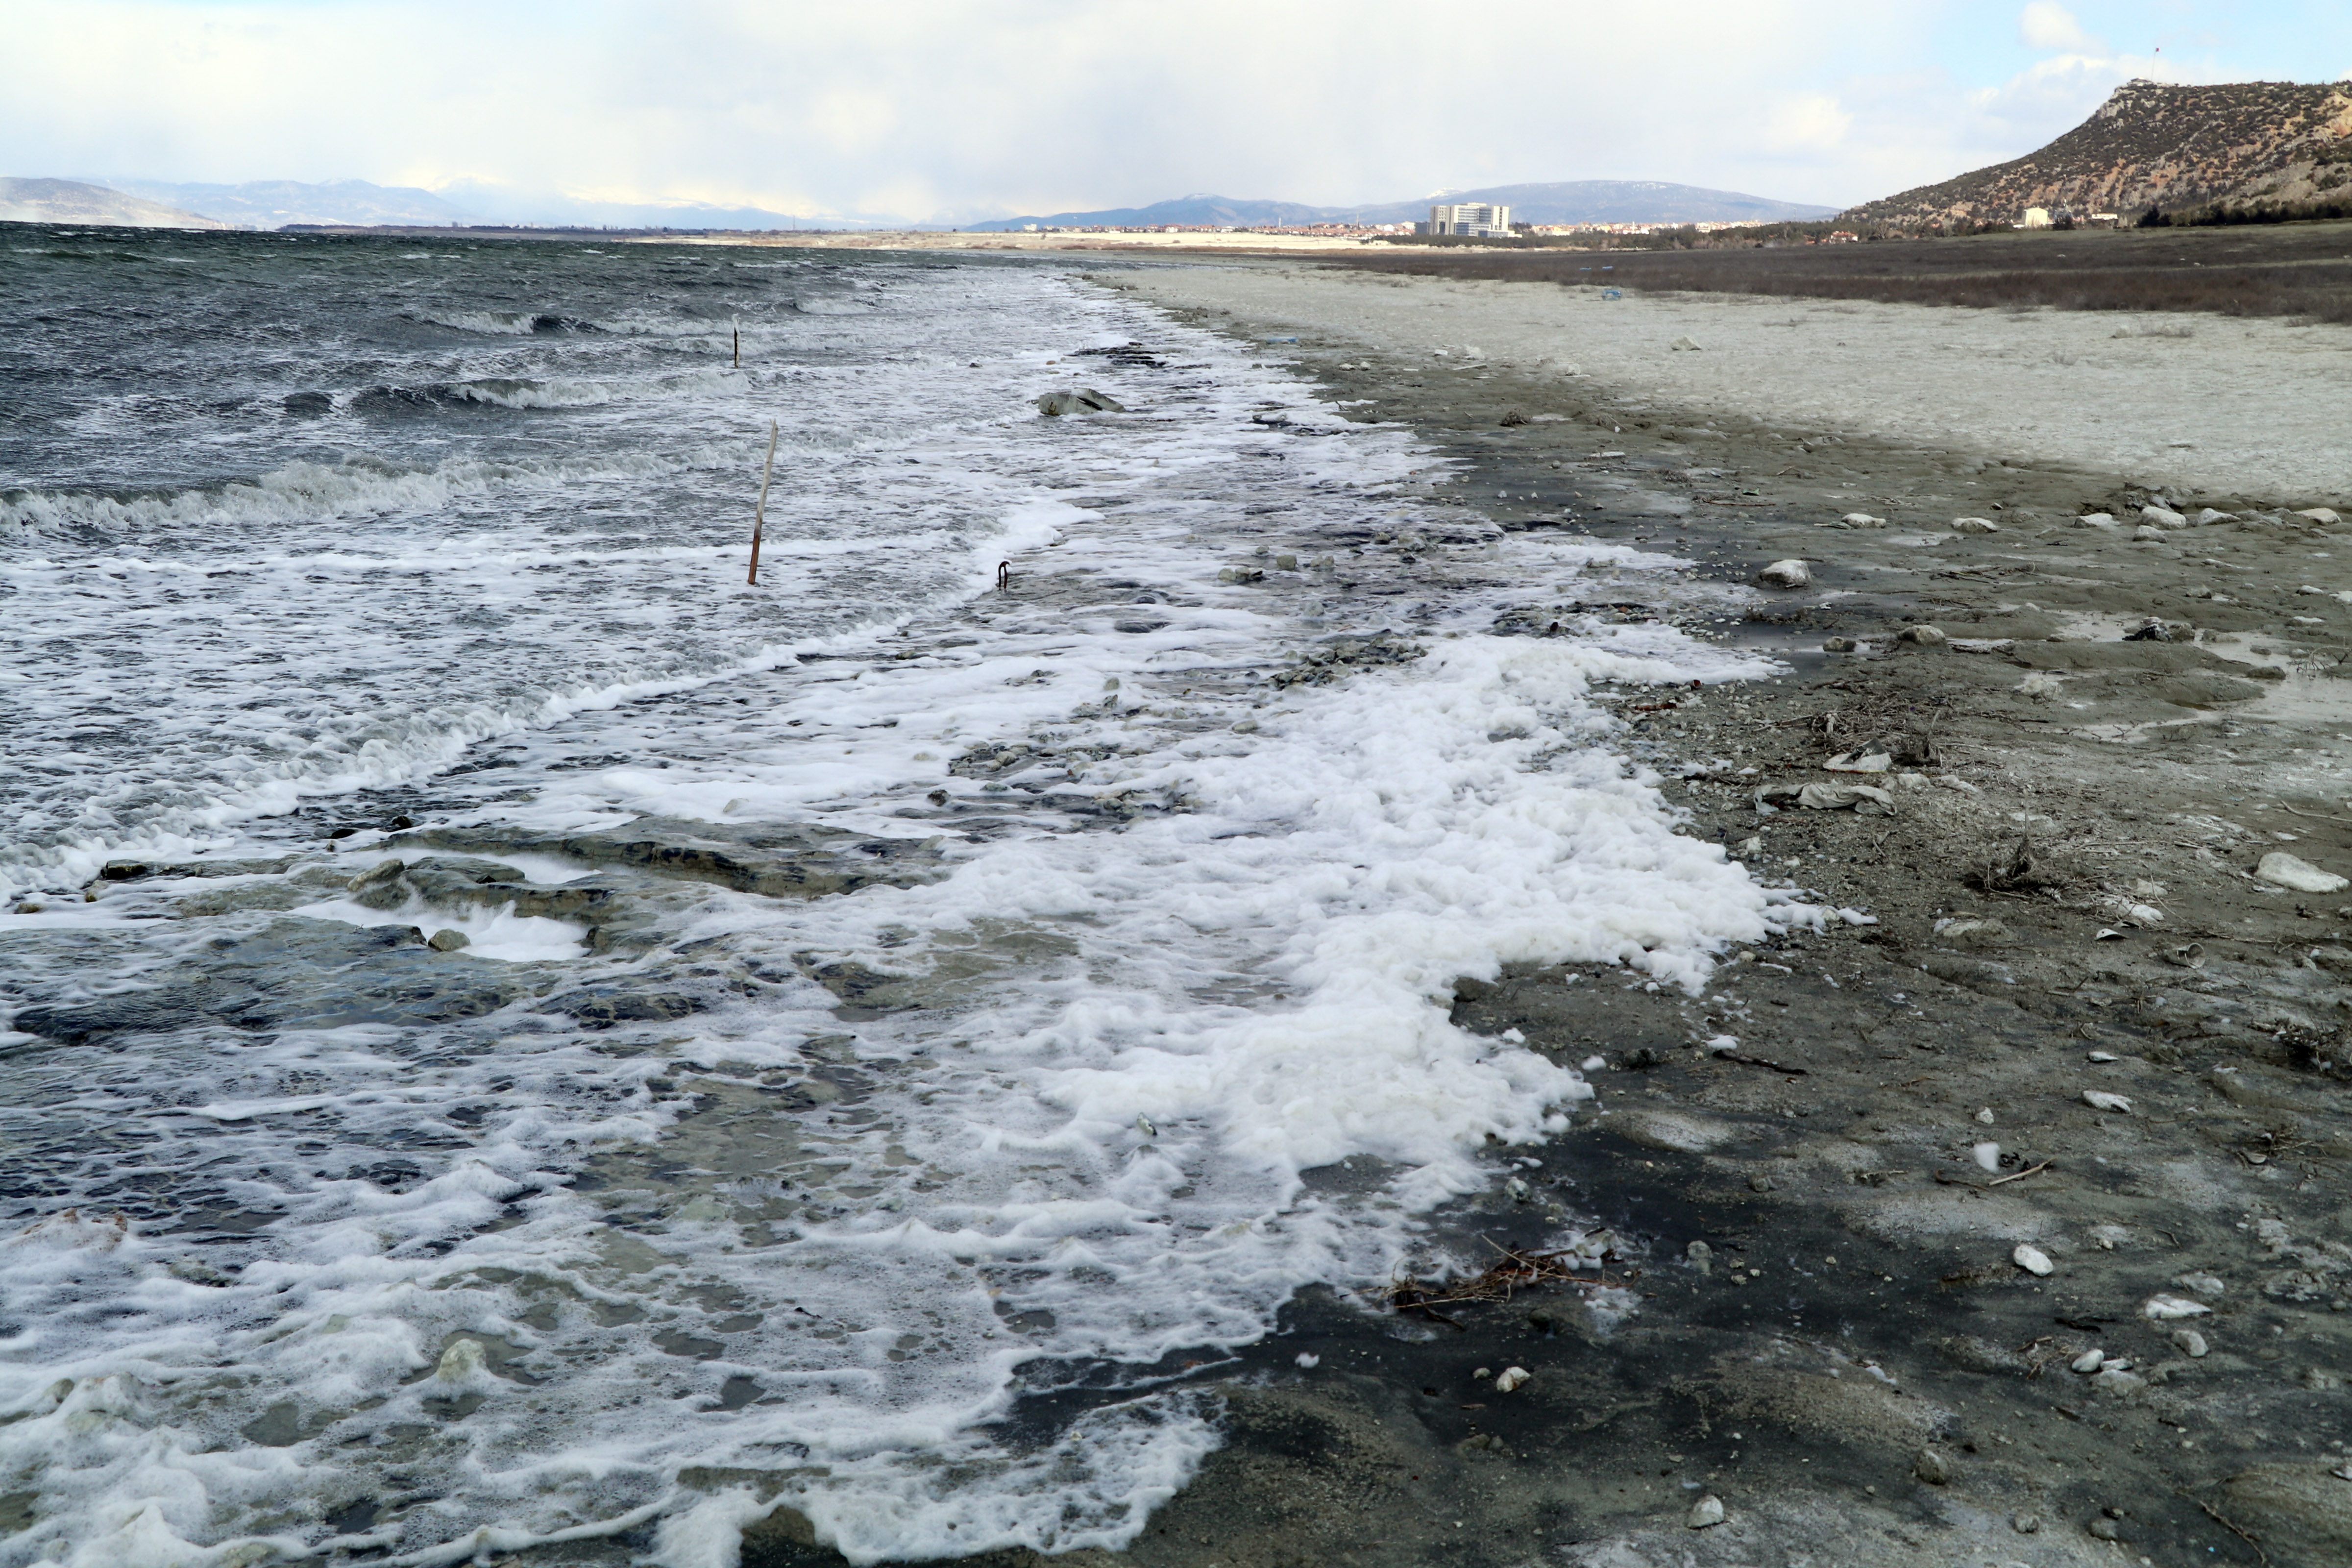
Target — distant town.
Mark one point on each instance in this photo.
(1478, 221)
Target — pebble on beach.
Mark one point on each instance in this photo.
(2032, 1259)
(1786, 574)
(1708, 1510)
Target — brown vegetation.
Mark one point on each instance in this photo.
(2298, 270)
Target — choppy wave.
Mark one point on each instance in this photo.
(512, 324)
(312, 492)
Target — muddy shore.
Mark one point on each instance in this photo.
(1817, 1314)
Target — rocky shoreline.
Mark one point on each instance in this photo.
(1825, 1170)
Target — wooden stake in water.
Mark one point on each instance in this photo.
(759, 513)
(739, 348)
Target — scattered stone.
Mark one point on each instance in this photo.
(1922, 636)
(2148, 534)
(1684, 345)
(2189, 1343)
(2089, 1362)
(1708, 1510)
(1930, 1468)
(1786, 574)
(1509, 1378)
(1078, 400)
(1974, 525)
(2026, 1523)
(2285, 870)
(2105, 1528)
(446, 940)
(1839, 644)
(1701, 1256)
(2100, 1100)
(2325, 516)
(2163, 1309)
(2095, 519)
(2163, 516)
(2032, 1259)
(2202, 1284)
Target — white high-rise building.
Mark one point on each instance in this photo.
(1471, 218)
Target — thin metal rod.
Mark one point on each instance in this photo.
(759, 513)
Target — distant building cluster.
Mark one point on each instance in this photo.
(2065, 217)
(1480, 219)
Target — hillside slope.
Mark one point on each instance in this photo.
(71, 201)
(2153, 146)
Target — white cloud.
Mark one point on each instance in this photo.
(970, 107)
(2046, 24)
(1815, 122)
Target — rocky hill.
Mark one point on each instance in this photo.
(2153, 146)
(71, 201)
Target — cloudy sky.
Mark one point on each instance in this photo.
(966, 109)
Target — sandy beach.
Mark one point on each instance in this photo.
(2260, 408)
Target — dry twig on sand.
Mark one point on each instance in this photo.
(1515, 1270)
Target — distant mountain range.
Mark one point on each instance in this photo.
(1569, 201)
(2153, 146)
(71, 201)
(275, 203)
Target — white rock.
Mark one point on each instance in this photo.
(2287, 872)
(2322, 515)
(1860, 520)
(2163, 516)
(1510, 1378)
(2105, 1057)
(461, 1362)
(2100, 1100)
(2032, 1259)
(1985, 1116)
(2095, 519)
(2163, 1308)
(2189, 1343)
(1684, 345)
(2209, 517)
(2200, 1283)
(1708, 1510)
(2148, 534)
(1786, 574)
(1988, 1155)
(1974, 525)
(2089, 1362)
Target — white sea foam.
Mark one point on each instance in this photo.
(1089, 1147)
